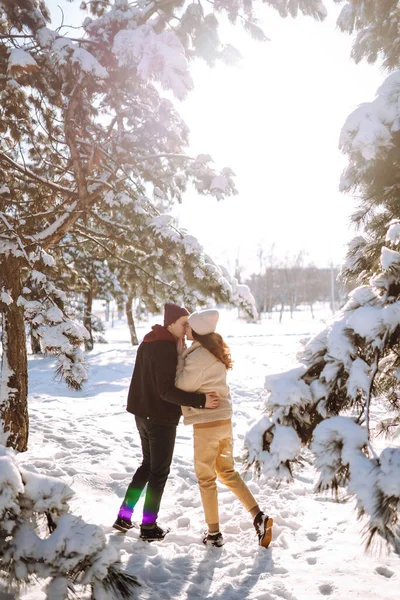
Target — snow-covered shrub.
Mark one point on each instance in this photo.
(40, 539)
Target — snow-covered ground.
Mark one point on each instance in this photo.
(90, 441)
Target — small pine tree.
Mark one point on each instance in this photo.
(355, 360)
(40, 539)
(352, 363)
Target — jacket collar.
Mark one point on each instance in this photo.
(159, 333)
(193, 347)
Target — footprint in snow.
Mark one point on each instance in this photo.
(290, 523)
(384, 571)
(280, 591)
(326, 589)
(117, 475)
(43, 464)
(310, 559)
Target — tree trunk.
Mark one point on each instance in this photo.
(131, 322)
(87, 319)
(35, 345)
(281, 311)
(14, 419)
(120, 309)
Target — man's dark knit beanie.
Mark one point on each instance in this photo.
(173, 312)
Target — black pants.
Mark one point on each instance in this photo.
(158, 443)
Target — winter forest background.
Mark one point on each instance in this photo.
(95, 160)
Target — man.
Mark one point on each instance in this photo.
(156, 404)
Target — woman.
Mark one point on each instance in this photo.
(203, 367)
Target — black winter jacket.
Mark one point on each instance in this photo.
(152, 392)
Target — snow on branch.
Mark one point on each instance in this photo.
(377, 34)
(368, 133)
(341, 450)
(240, 294)
(88, 63)
(207, 277)
(158, 56)
(20, 61)
(59, 334)
(270, 449)
(209, 181)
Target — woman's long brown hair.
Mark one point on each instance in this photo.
(214, 343)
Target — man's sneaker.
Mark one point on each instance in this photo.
(122, 524)
(214, 539)
(153, 534)
(263, 526)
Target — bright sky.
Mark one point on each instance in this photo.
(275, 120)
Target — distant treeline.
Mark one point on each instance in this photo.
(285, 288)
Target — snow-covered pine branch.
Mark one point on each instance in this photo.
(376, 28)
(370, 139)
(43, 305)
(353, 362)
(40, 539)
(343, 459)
(201, 277)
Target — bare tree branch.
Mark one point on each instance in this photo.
(32, 175)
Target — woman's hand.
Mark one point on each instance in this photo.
(212, 400)
(181, 346)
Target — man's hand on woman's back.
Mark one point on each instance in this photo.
(212, 400)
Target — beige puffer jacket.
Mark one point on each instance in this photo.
(199, 371)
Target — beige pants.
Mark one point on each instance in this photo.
(213, 457)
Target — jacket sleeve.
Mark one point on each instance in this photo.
(164, 371)
(190, 377)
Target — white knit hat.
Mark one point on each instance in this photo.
(204, 321)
